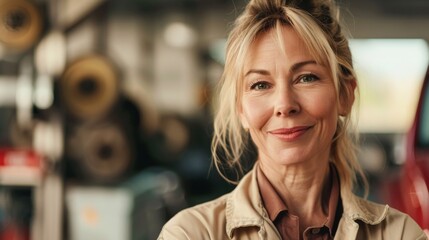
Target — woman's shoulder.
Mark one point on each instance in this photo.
(388, 220)
(197, 222)
(396, 219)
(205, 211)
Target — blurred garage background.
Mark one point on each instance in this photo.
(105, 109)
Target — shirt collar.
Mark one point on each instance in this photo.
(271, 199)
(275, 205)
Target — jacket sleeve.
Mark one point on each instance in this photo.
(173, 232)
(186, 225)
(413, 231)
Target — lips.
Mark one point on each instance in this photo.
(290, 134)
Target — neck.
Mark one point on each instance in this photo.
(302, 188)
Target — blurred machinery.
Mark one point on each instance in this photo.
(89, 87)
(99, 144)
(22, 169)
(21, 25)
(74, 125)
(115, 107)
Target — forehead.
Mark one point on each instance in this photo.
(276, 43)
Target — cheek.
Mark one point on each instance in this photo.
(256, 112)
(324, 110)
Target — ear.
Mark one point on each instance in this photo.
(347, 97)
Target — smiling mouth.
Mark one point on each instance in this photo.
(290, 134)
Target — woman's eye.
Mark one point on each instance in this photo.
(260, 86)
(307, 78)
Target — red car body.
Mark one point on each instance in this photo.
(410, 191)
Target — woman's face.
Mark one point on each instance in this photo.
(289, 101)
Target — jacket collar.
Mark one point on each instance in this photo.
(357, 208)
(244, 208)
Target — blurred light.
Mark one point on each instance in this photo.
(180, 35)
(399, 150)
(90, 216)
(50, 57)
(48, 139)
(390, 73)
(24, 94)
(43, 92)
(399, 58)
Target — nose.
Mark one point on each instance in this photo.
(286, 103)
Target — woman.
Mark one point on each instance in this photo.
(289, 84)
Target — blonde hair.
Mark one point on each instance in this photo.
(317, 23)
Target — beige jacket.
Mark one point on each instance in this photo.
(241, 215)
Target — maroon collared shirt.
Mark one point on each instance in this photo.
(288, 224)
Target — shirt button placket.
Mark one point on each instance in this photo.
(315, 231)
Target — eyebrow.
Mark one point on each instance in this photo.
(257, 71)
(299, 65)
(294, 68)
